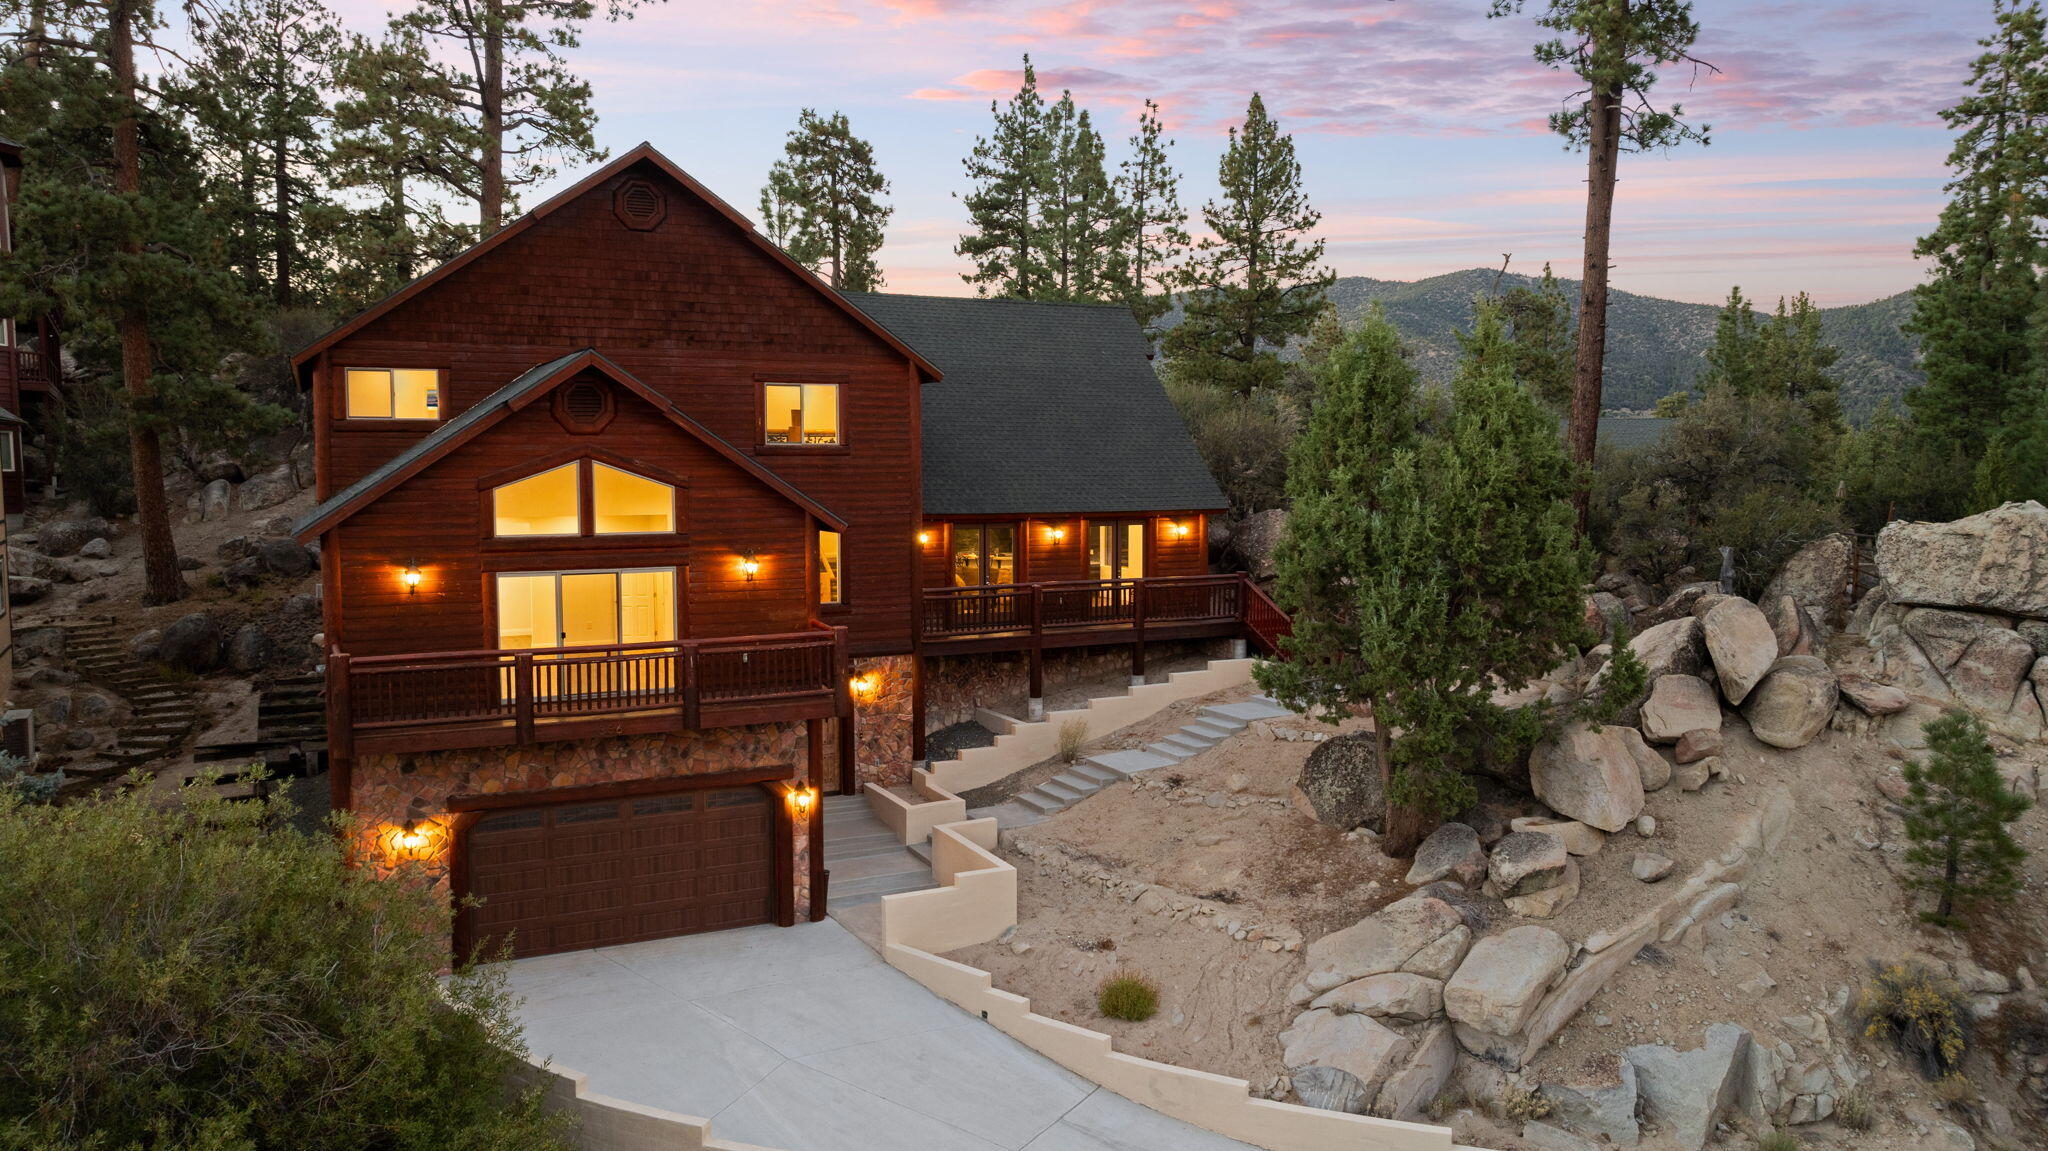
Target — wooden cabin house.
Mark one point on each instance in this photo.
(636, 536)
(28, 363)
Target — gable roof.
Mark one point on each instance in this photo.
(643, 152)
(529, 386)
(1047, 409)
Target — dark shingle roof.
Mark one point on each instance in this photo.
(1044, 409)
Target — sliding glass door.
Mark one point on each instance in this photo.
(1116, 549)
(984, 554)
(539, 610)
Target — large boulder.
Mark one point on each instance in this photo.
(1256, 541)
(1994, 561)
(1452, 851)
(1502, 981)
(1817, 578)
(1524, 862)
(1409, 1091)
(1684, 1092)
(23, 589)
(1329, 1089)
(1742, 644)
(1793, 703)
(1358, 1044)
(284, 557)
(193, 643)
(1419, 933)
(1597, 1109)
(214, 501)
(1679, 604)
(1670, 648)
(1678, 704)
(66, 537)
(267, 490)
(1873, 698)
(1591, 776)
(1341, 782)
(1398, 995)
(251, 650)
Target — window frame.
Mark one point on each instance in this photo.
(981, 527)
(761, 385)
(586, 535)
(1119, 528)
(10, 450)
(818, 568)
(494, 635)
(345, 418)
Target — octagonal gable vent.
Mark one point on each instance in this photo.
(640, 205)
(584, 407)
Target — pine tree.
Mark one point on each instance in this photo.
(1081, 217)
(396, 125)
(1731, 361)
(1426, 567)
(1974, 313)
(1157, 234)
(823, 202)
(1956, 809)
(1793, 359)
(1540, 322)
(1008, 171)
(1615, 48)
(502, 64)
(259, 89)
(1258, 281)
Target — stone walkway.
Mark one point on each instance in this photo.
(802, 1039)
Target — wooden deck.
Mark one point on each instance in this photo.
(491, 698)
(1047, 616)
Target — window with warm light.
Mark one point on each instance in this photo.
(625, 504)
(393, 393)
(548, 504)
(984, 554)
(1117, 550)
(800, 414)
(831, 569)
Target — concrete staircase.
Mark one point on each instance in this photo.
(163, 713)
(866, 859)
(1213, 724)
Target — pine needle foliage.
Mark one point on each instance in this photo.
(824, 205)
(1957, 806)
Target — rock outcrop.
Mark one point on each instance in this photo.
(1679, 704)
(1591, 776)
(1421, 934)
(1996, 561)
(1341, 782)
(1684, 1092)
(1816, 578)
(1793, 703)
(1742, 645)
(1502, 981)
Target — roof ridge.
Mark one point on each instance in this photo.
(1104, 304)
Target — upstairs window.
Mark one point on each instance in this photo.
(831, 569)
(551, 503)
(393, 393)
(800, 414)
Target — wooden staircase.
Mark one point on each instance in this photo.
(162, 714)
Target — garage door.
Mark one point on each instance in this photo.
(576, 875)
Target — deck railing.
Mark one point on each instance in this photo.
(1035, 610)
(33, 367)
(528, 690)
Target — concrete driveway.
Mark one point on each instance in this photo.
(802, 1039)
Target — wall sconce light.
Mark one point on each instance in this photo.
(924, 539)
(864, 684)
(1059, 535)
(750, 566)
(801, 799)
(410, 577)
(1180, 530)
(411, 840)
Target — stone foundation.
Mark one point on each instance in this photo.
(390, 790)
(956, 685)
(881, 721)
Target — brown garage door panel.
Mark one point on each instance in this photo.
(595, 874)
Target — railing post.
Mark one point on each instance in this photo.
(1138, 604)
(1035, 704)
(693, 687)
(341, 741)
(522, 696)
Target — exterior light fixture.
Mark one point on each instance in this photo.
(1059, 534)
(1181, 530)
(863, 684)
(750, 566)
(802, 798)
(924, 539)
(410, 577)
(411, 839)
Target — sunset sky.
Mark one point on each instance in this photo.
(1420, 123)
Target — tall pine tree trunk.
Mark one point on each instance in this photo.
(401, 228)
(161, 581)
(491, 95)
(1602, 156)
(281, 221)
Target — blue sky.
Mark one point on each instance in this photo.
(1419, 122)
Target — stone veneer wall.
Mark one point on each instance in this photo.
(955, 685)
(881, 723)
(389, 790)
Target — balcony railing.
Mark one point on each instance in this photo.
(1033, 613)
(489, 697)
(33, 367)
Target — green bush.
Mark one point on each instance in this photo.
(1777, 1139)
(1243, 438)
(1129, 996)
(1921, 1012)
(1855, 1110)
(1073, 737)
(202, 976)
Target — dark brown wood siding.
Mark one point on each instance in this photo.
(693, 310)
(438, 520)
(1046, 559)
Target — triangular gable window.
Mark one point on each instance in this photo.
(553, 503)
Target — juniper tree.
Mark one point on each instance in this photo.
(1007, 170)
(1157, 234)
(1081, 216)
(1615, 48)
(824, 202)
(1426, 564)
(1974, 312)
(1956, 808)
(1258, 281)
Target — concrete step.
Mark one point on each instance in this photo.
(1076, 782)
(1244, 713)
(1170, 751)
(844, 892)
(854, 846)
(1210, 729)
(1042, 804)
(1088, 770)
(922, 851)
(1191, 743)
(897, 862)
(1066, 796)
(1125, 763)
(1214, 716)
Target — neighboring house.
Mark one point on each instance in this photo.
(27, 352)
(635, 537)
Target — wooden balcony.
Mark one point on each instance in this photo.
(491, 698)
(33, 371)
(1043, 616)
